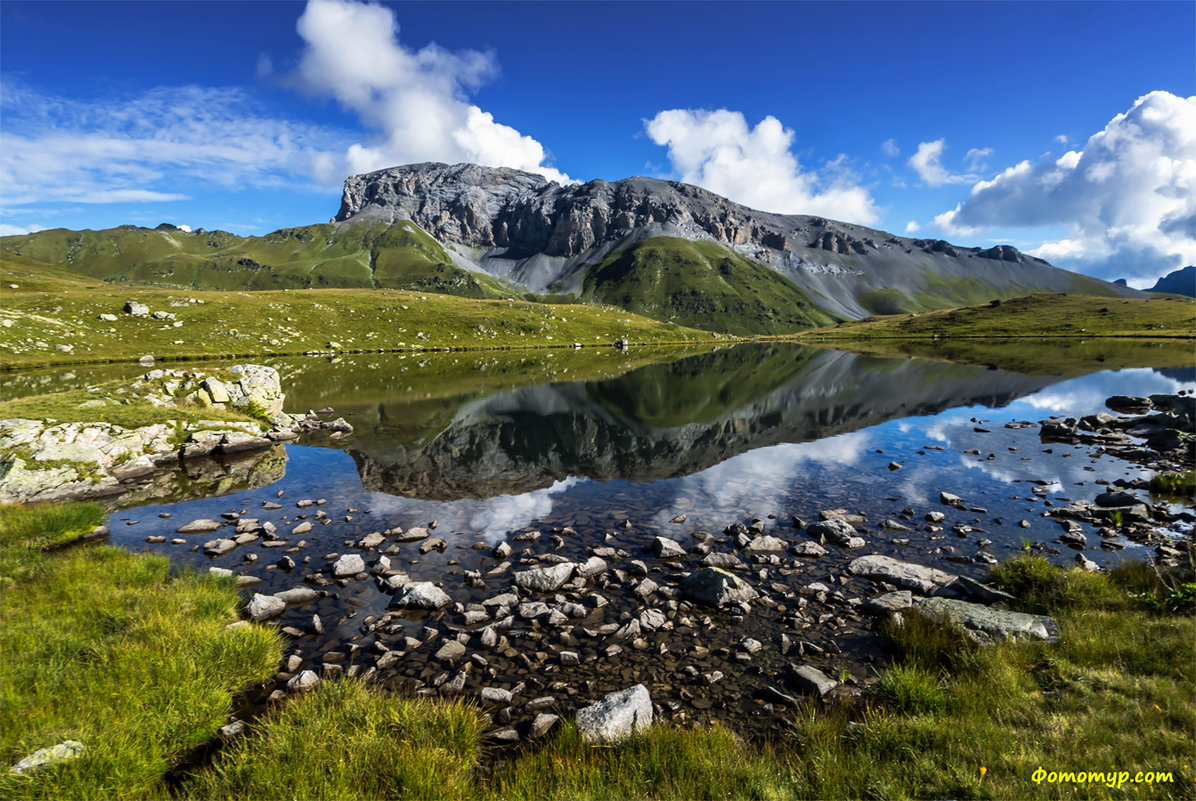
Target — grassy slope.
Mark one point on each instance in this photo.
(703, 285)
(1054, 316)
(104, 647)
(366, 255)
(53, 306)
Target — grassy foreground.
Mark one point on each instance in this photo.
(52, 317)
(146, 668)
(104, 647)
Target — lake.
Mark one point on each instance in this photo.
(565, 455)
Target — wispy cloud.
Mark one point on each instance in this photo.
(756, 166)
(927, 163)
(158, 146)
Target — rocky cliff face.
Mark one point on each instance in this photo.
(545, 236)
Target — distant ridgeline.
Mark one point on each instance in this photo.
(666, 250)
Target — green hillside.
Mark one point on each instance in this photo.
(701, 285)
(52, 316)
(366, 255)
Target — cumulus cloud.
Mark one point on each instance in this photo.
(927, 163)
(1128, 197)
(144, 148)
(912, 227)
(756, 165)
(415, 102)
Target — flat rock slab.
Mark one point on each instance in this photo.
(714, 586)
(199, 527)
(889, 602)
(263, 607)
(812, 681)
(616, 716)
(986, 625)
(545, 579)
(922, 580)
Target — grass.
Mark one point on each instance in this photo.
(104, 647)
(53, 307)
(702, 285)
(1033, 316)
(70, 407)
(342, 741)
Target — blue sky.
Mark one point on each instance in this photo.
(1066, 129)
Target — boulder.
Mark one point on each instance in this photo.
(136, 309)
(837, 531)
(922, 580)
(714, 586)
(219, 547)
(348, 565)
(202, 526)
(616, 716)
(545, 579)
(263, 607)
(303, 682)
(766, 544)
(986, 625)
(811, 680)
(420, 595)
(808, 548)
(889, 602)
(665, 548)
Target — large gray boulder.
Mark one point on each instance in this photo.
(922, 580)
(263, 607)
(987, 625)
(714, 586)
(545, 579)
(348, 565)
(616, 716)
(420, 595)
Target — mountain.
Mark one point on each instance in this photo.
(1179, 282)
(667, 250)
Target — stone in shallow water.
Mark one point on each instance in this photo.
(715, 587)
(348, 565)
(545, 579)
(263, 607)
(420, 595)
(202, 526)
(665, 548)
(924, 580)
(616, 716)
(812, 681)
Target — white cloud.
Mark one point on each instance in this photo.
(143, 149)
(756, 166)
(975, 158)
(912, 227)
(1128, 197)
(1061, 139)
(414, 101)
(889, 147)
(17, 230)
(927, 163)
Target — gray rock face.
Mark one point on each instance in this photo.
(714, 586)
(987, 625)
(616, 716)
(542, 234)
(922, 580)
(545, 579)
(420, 595)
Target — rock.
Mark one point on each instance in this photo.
(714, 586)
(451, 651)
(136, 309)
(541, 724)
(372, 540)
(594, 566)
(837, 531)
(1074, 537)
(665, 548)
(232, 730)
(616, 716)
(990, 595)
(545, 579)
(411, 535)
(55, 754)
(501, 551)
(1087, 564)
(766, 544)
(495, 696)
(202, 526)
(1114, 499)
(725, 561)
(264, 607)
(950, 499)
(420, 595)
(298, 595)
(922, 580)
(808, 548)
(219, 547)
(349, 564)
(108, 318)
(812, 681)
(303, 682)
(303, 528)
(889, 602)
(987, 625)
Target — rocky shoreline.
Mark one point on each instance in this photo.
(735, 625)
(45, 460)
